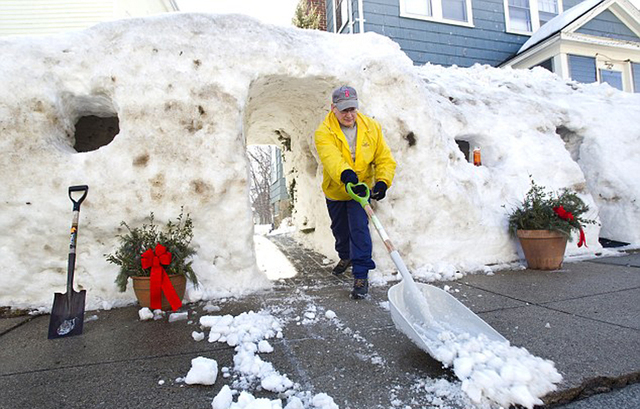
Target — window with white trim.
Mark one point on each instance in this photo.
(342, 14)
(527, 16)
(611, 77)
(613, 72)
(635, 73)
(445, 11)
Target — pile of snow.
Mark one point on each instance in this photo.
(187, 104)
(248, 333)
(496, 371)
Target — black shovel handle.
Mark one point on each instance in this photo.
(80, 188)
(74, 233)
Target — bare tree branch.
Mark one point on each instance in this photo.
(260, 189)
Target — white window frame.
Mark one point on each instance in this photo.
(623, 67)
(436, 11)
(535, 17)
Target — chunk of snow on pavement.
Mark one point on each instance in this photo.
(223, 399)
(248, 401)
(178, 316)
(324, 401)
(246, 327)
(197, 336)
(91, 318)
(145, 314)
(203, 371)
(265, 347)
(294, 403)
(330, 314)
(211, 308)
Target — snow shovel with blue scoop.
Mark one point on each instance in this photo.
(423, 311)
(67, 313)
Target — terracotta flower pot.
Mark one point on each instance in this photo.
(141, 289)
(543, 249)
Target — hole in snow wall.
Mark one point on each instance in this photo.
(285, 112)
(90, 121)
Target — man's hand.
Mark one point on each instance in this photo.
(349, 176)
(379, 191)
(359, 190)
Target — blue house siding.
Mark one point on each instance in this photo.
(636, 77)
(446, 44)
(606, 24)
(487, 42)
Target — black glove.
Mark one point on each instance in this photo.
(359, 190)
(379, 191)
(349, 176)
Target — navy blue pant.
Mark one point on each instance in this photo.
(350, 228)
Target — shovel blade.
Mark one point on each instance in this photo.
(67, 314)
(424, 313)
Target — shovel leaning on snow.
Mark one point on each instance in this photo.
(67, 313)
(424, 311)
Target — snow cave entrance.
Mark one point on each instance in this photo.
(281, 115)
(94, 119)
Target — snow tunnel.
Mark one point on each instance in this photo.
(285, 111)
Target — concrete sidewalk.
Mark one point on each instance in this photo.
(586, 318)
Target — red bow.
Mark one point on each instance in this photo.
(583, 239)
(563, 214)
(159, 281)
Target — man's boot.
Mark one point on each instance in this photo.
(360, 288)
(341, 267)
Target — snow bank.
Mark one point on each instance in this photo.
(189, 91)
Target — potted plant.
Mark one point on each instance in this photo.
(157, 261)
(544, 221)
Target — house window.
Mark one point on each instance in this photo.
(611, 77)
(342, 13)
(454, 10)
(419, 7)
(582, 69)
(519, 15)
(547, 9)
(445, 11)
(527, 16)
(635, 71)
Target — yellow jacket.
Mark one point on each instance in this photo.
(374, 161)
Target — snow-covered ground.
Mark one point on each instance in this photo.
(191, 90)
(491, 374)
